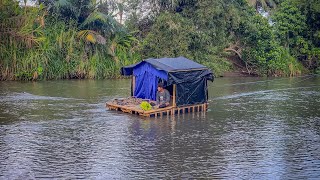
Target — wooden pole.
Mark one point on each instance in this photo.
(133, 84)
(174, 95)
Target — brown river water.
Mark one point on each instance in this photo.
(255, 128)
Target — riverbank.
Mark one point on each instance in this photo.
(237, 74)
(118, 76)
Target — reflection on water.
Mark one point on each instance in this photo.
(255, 129)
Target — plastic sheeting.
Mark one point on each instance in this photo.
(146, 81)
(178, 77)
(189, 93)
(146, 86)
(165, 64)
(189, 76)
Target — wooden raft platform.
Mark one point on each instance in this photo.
(170, 110)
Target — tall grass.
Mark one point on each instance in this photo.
(32, 50)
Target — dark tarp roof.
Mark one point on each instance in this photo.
(166, 64)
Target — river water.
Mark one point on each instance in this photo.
(255, 129)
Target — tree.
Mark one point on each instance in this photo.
(264, 4)
(169, 37)
(289, 23)
(296, 26)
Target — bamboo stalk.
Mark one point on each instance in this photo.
(133, 84)
(174, 95)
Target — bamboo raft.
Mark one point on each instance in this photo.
(170, 110)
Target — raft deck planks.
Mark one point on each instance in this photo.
(170, 110)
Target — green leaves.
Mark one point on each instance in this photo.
(82, 39)
(64, 39)
(289, 22)
(91, 36)
(264, 4)
(145, 106)
(169, 37)
(212, 31)
(296, 25)
(98, 17)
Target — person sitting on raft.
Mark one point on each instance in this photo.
(163, 96)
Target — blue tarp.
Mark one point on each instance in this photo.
(147, 78)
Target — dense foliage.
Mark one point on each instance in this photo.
(271, 37)
(60, 39)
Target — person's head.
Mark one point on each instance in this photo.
(160, 86)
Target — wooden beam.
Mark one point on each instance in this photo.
(133, 84)
(195, 69)
(174, 95)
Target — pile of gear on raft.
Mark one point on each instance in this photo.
(137, 102)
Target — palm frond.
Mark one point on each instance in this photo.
(109, 24)
(62, 3)
(91, 36)
(93, 17)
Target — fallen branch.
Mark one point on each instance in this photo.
(233, 50)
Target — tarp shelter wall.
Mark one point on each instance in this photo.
(193, 89)
(146, 80)
(189, 77)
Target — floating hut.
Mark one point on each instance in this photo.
(185, 79)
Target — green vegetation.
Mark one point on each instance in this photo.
(63, 39)
(145, 106)
(233, 34)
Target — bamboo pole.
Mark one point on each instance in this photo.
(133, 84)
(174, 95)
